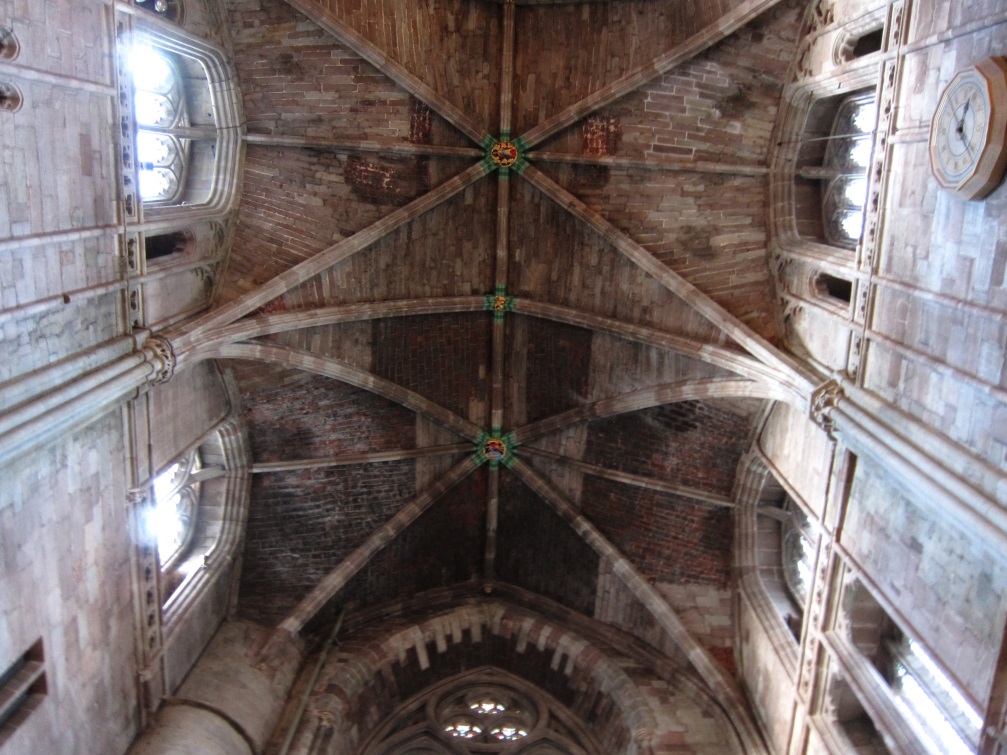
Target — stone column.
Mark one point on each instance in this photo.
(43, 404)
(230, 702)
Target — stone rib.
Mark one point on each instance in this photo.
(384, 147)
(707, 37)
(390, 68)
(639, 481)
(714, 354)
(337, 579)
(652, 162)
(375, 457)
(336, 253)
(333, 368)
(685, 390)
(707, 307)
(280, 322)
(715, 677)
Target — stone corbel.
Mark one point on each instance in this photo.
(823, 399)
(157, 351)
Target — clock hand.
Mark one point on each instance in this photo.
(960, 129)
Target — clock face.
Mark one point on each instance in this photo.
(967, 134)
(962, 123)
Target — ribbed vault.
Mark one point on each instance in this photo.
(500, 311)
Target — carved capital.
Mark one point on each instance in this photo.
(823, 399)
(158, 352)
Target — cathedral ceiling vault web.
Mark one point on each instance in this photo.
(498, 300)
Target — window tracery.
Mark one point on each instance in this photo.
(835, 153)
(798, 547)
(172, 130)
(176, 504)
(160, 111)
(486, 711)
(847, 158)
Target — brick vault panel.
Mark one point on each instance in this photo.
(668, 538)
(319, 416)
(301, 524)
(690, 443)
(540, 552)
(444, 358)
(443, 547)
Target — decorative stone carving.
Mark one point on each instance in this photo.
(207, 275)
(855, 356)
(823, 399)
(127, 166)
(10, 97)
(823, 15)
(495, 448)
(9, 45)
(815, 609)
(895, 26)
(157, 350)
(148, 600)
(504, 154)
(134, 304)
(863, 300)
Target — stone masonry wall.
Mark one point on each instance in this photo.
(66, 574)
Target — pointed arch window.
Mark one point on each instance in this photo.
(949, 723)
(161, 116)
(176, 504)
(835, 154)
(847, 158)
(799, 544)
(483, 711)
(177, 136)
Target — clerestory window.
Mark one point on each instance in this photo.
(834, 158)
(484, 711)
(176, 506)
(950, 725)
(798, 552)
(161, 115)
(847, 158)
(487, 715)
(176, 129)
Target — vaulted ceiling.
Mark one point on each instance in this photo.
(394, 299)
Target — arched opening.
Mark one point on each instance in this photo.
(832, 162)
(943, 719)
(173, 517)
(175, 126)
(165, 244)
(485, 710)
(833, 289)
(797, 552)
